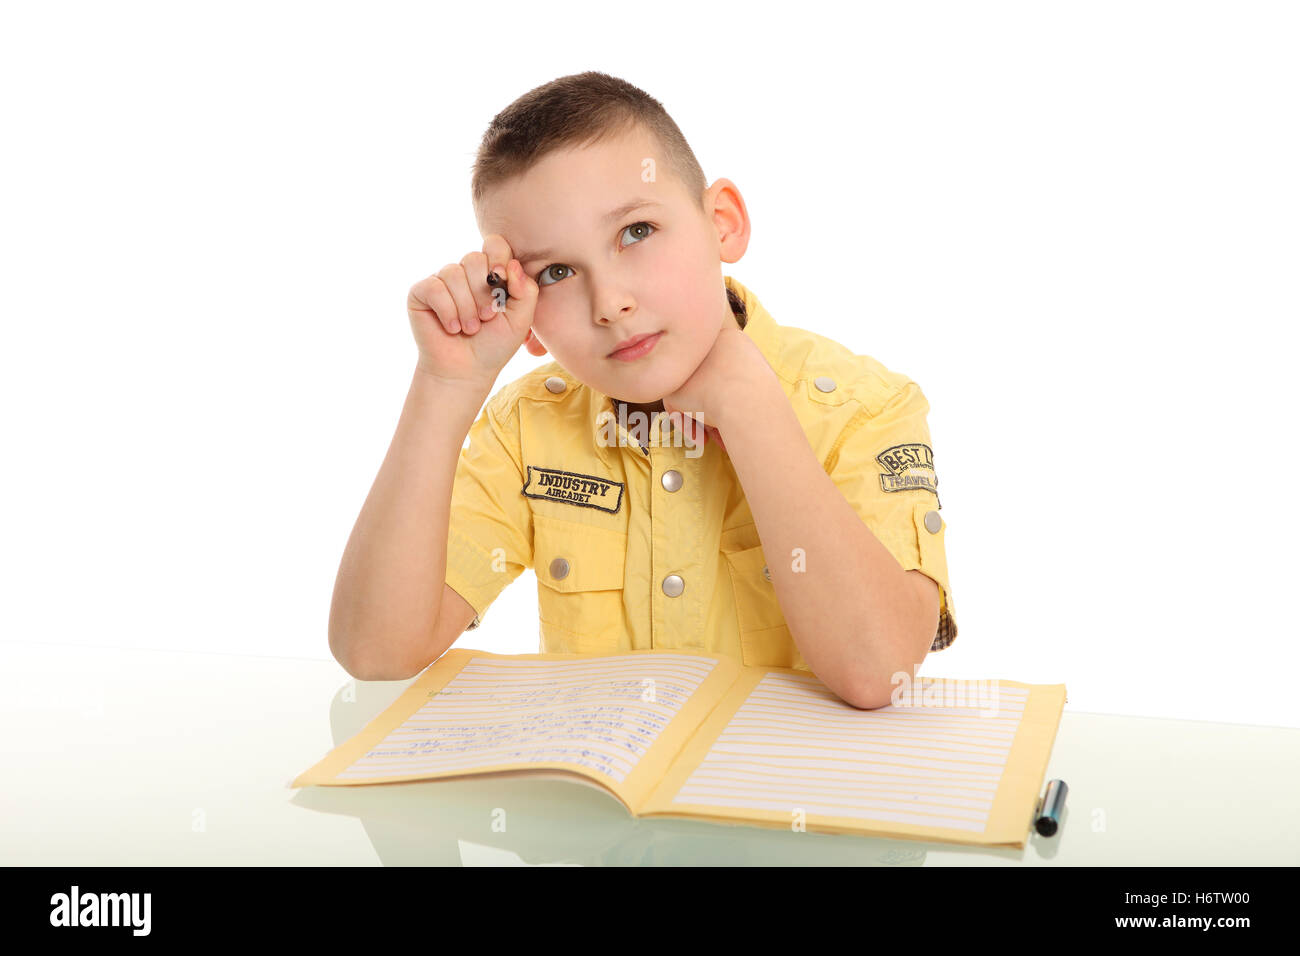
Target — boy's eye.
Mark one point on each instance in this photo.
(643, 231)
(549, 271)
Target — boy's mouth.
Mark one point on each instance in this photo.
(635, 347)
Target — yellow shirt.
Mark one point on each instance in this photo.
(654, 546)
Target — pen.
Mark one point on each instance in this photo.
(1048, 815)
(498, 284)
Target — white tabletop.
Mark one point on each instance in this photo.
(139, 758)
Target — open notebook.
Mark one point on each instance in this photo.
(700, 736)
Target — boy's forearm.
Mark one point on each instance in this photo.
(391, 577)
(849, 608)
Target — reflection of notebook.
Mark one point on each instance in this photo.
(686, 734)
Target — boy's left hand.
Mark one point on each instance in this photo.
(730, 369)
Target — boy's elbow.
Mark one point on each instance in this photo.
(382, 672)
(359, 667)
(870, 697)
(877, 689)
(351, 666)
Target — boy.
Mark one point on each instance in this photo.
(685, 474)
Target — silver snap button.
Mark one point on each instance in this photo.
(674, 585)
(555, 384)
(933, 522)
(559, 568)
(672, 480)
(766, 573)
(824, 383)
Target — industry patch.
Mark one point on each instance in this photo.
(571, 488)
(907, 467)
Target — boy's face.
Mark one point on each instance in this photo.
(604, 278)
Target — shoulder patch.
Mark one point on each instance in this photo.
(571, 488)
(908, 466)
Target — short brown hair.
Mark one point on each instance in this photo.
(575, 111)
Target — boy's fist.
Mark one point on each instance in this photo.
(465, 330)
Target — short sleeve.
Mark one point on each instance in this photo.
(883, 464)
(489, 534)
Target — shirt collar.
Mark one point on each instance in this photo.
(759, 326)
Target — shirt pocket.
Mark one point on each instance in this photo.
(579, 571)
(765, 639)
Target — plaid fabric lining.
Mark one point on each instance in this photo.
(947, 632)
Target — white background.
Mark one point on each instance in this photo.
(1074, 225)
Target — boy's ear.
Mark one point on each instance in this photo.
(534, 346)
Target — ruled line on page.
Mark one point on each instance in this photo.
(794, 745)
(595, 713)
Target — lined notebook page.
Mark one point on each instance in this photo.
(602, 714)
(794, 744)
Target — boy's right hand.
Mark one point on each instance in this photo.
(463, 334)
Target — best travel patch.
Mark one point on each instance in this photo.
(908, 466)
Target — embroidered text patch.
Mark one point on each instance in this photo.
(908, 466)
(571, 488)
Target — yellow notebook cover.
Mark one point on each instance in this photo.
(699, 736)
